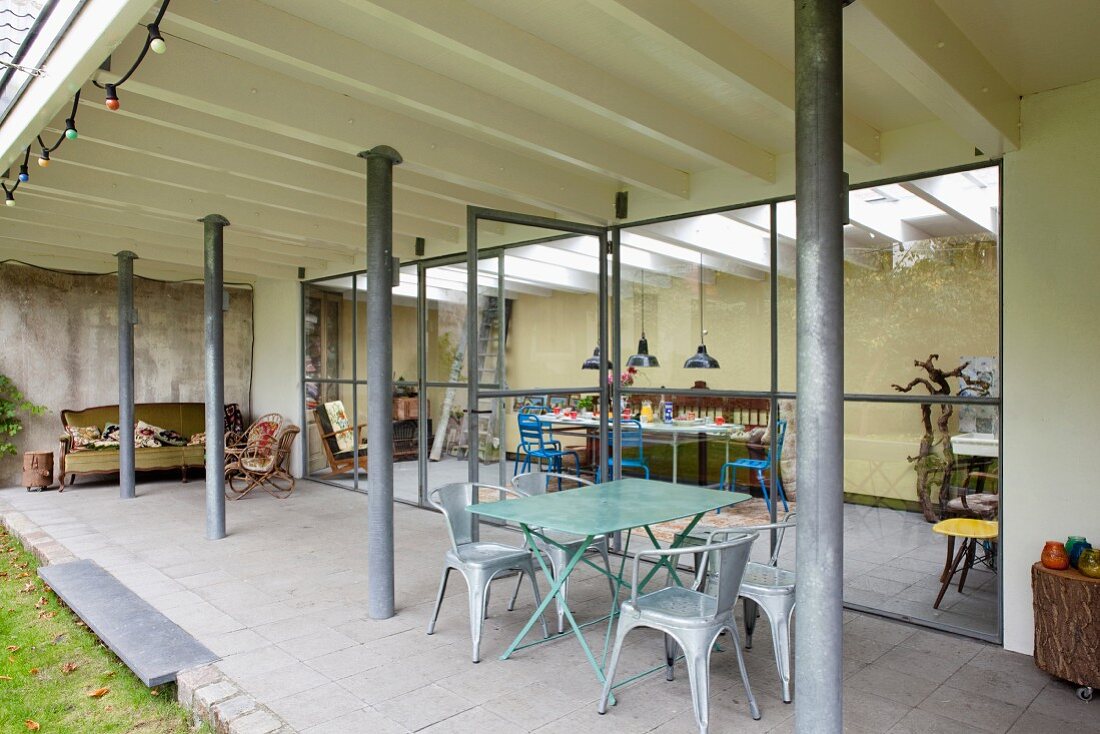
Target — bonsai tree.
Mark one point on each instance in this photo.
(12, 404)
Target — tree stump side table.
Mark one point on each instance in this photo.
(1067, 626)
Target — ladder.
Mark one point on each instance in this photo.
(488, 341)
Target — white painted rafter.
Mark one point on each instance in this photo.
(916, 43)
(488, 40)
(299, 48)
(220, 85)
(732, 58)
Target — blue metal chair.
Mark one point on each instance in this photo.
(534, 443)
(548, 434)
(760, 466)
(632, 439)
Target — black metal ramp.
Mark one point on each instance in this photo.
(150, 644)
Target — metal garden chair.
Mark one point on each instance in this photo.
(535, 444)
(478, 561)
(565, 545)
(631, 439)
(760, 466)
(766, 586)
(690, 619)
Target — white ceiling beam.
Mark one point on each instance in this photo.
(41, 233)
(882, 222)
(715, 234)
(87, 184)
(484, 38)
(968, 206)
(916, 44)
(46, 209)
(126, 131)
(306, 160)
(687, 257)
(58, 204)
(298, 47)
(455, 278)
(554, 277)
(733, 59)
(104, 157)
(220, 85)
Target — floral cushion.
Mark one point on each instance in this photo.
(145, 435)
(111, 432)
(234, 419)
(82, 436)
(338, 418)
(197, 439)
(168, 437)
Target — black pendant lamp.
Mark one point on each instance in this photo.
(701, 360)
(643, 358)
(593, 362)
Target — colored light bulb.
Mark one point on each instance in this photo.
(70, 129)
(23, 175)
(111, 97)
(44, 158)
(9, 198)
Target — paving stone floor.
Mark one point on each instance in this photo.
(283, 601)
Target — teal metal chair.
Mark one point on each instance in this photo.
(631, 440)
(536, 442)
(760, 466)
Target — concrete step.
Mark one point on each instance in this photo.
(150, 644)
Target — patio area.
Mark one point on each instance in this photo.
(282, 600)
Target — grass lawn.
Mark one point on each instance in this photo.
(55, 675)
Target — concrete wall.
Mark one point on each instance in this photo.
(1051, 298)
(276, 378)
(60, 346)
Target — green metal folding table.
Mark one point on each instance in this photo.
(602, 509)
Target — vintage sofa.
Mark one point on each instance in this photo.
(186, 419)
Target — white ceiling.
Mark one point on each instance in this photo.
(544, 106)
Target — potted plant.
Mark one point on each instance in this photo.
(12, 404)
(585, 405)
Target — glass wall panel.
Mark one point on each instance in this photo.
(329, 335)
(892, 558)
(695, 281)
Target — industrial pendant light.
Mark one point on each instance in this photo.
(701, 360)
(643, 358)
(593, 362)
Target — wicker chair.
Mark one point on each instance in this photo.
(262, 431)
(262, 464)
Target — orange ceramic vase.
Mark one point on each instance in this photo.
(1055, 556)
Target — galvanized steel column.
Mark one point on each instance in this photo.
(820, 194)
(380, 163)
(214, 334)
(127, 317)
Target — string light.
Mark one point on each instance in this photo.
(111, 97)
(153, 42)
(9, 197)
(70, 129)
(23, 175)
(44, 158)
(156, 41)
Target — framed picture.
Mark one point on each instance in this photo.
(558, 401)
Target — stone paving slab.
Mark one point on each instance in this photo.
(150, 644)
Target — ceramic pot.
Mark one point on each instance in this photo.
(1089, 562)
(1055, 556)
(1078, 549)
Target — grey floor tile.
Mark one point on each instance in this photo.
(897, 686)
(365, 720)
(423, 707)
(315, 706)
(974, 710)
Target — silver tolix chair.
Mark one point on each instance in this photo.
(478, 561)
(565, 545)
(689, 619)
(765, 586)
